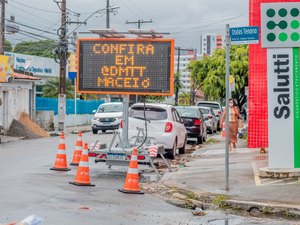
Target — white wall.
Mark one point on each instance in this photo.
(18, 100)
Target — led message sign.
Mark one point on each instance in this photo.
(126, 66)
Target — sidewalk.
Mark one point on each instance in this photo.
(205, 176)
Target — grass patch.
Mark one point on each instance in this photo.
(191, 195)
(211, 141)
(218, 200)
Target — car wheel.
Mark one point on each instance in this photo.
(205, 137)
(200, 140)
(171, 153)
(215, 130)
(103, 131)
(218, 126)
(95, 131)
(182, 150)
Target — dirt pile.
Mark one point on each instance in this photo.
(26, 128)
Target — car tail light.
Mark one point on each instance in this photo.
(209, 117)
(219, 112)
(92, 154)
(102, 156)
(141, 157)
(168, 127)
(121, 124)
(197, 122)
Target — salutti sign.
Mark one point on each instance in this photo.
(126, 66)
(280, 34)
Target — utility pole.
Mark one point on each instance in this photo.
(107, 14)
(63, 63)
(139, 22)
(2, 29)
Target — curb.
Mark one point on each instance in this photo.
(213, 201)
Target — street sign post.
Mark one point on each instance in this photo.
(244, 35)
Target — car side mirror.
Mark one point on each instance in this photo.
(181, 120)
(94, 111)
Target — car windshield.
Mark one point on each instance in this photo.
(110, 108)
(205, 111)
(187, 112)
(151, 113)
(210, 105)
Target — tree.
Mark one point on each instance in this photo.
(50, 89)
(184, 99)
(209, 73)
(39, 48)
(154, 99)
(7, 46)
(177, 86)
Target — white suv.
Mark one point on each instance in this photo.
(107, 117)
(164, 126)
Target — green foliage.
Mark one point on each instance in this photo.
(177, 86)
(154, 99)
(184, 99)
(191, 195)
(51, 88)
(7, 46)
(39, 48)
(209, 73)
(219, 199)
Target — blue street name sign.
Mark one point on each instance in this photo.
(244, 35)
(72, 75)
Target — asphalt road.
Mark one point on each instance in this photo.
(28, 186)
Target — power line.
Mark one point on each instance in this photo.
(31, 7)
(28, 26)
(20, 30)
(23, 11)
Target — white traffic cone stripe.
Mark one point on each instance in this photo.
(61, 152)
(134, 157)
(133, 171)
(61, 141)
(78, 148)
(84, 164)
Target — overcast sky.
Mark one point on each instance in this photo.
(186, 20)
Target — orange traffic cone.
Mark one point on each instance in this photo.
(78, 150)
(82, 177)
(132, 185)
(61, 157)
(223, 130)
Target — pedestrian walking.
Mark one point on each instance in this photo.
(234, 116)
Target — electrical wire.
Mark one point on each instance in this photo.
(28, 26)
(35, 8)
(36, 35)
(32, 15)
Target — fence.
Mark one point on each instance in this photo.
(83, 106)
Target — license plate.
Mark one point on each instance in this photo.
(114, 156)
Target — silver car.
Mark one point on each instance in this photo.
(210, 119)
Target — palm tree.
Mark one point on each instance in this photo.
(51, 88)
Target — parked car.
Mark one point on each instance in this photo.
(107, 117)
(210, 119)
(162, 124)
(193, 121)
(218, 110)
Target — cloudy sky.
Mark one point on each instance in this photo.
(186, 20)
